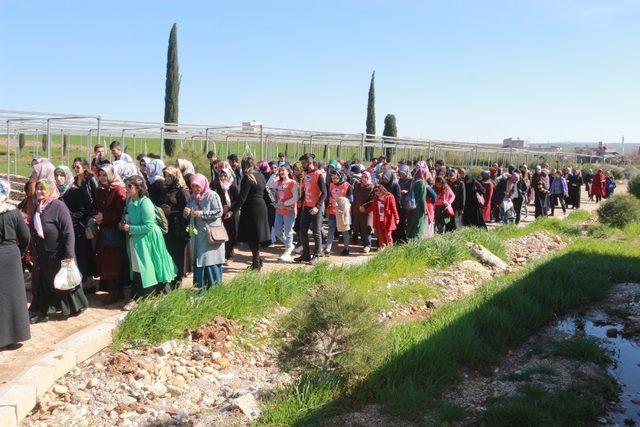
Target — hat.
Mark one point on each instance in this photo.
(334, 164)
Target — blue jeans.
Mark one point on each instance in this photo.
(207, 276)
(346, 235)
(283, 228)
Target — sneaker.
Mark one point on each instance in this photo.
(314, 260)
(327, 250)
(366, 249)
(286, 258)
(298, 250)
(302, 259)
(345, 252)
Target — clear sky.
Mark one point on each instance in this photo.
(553, 70)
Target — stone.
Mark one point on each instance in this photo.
(88, 342)
(486, 257)
(216, 355)
(19, 397)
(160, 389)
(43, 377)
(8, 416)
(223, 362)
(60, 389)
(166, 347)
(612, 333)
(93, 383)
(248, 405)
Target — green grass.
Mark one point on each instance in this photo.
(423, 358)
(579, 404)
(530, 373)
(578, 348)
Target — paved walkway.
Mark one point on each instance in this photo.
(44, 336)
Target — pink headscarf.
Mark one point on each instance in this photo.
(202, 182)
(421, 174)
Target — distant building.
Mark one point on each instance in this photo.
(251, 126)
(513, 143)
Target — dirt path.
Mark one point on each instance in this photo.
(44, 336)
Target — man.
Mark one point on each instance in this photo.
(98, 157)
(282, 160)
(235, 166)
(213, 160)
(315, 193)
(117, 153)
(540, 185)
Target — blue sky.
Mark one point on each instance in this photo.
(467, 70)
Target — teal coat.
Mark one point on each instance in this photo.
(154, 262)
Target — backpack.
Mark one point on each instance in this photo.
(161, 219)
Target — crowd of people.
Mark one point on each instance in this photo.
(144, 227)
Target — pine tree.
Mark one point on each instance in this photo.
(22, 141)
(172, 88)
(371, 115)
(390, 129)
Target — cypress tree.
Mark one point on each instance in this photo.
(22, 141)
(44, 143)
(371, 114)
(172, 88)
(65, 144)
(390, 129)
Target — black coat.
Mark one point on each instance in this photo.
(231, 223)
(78, 199)
(14, 317)
(253, 226)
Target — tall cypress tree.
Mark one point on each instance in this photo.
(371, 114)
(390, 129)
(44, 143)
(22, 141)
(172, 88)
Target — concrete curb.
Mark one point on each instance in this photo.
(20, 395)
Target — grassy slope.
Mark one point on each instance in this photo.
(423, 358)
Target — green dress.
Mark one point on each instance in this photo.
(147, 244)
(415, 223)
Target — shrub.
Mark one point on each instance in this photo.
(619, 210)
(634, 186)
(630, 172)
(328, 330)
(617, 172)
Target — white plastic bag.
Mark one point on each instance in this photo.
(68, 278)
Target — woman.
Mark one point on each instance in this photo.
(151, 264)
(42, 169)
(152, 170)
(205, 210)
(415, 223)
(559, 192)
(125, 169)
(338, 188)
(430, 217)
(474, 203)
(575, 186)
(385, 216)
(14, 238)
(487, 184)
(443, 210)
(229, 193)
(176, 198)
(52, 247)
(76, 195)
(112, 263)
(404, 181)
(63, 178)
(610, 185)
(539, 183)
(598, 185)
(287, 197)
(253, 227)
(362, 222)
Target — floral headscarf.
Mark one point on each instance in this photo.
(185, 166)
(366, 177)
(202, 182)
(113, 179)
(154, 169)
(177, 180)
(5, 191)
(44, 169)
(125, 169)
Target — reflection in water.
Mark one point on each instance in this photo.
(626, 355)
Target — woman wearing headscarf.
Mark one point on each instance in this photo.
(125, 169)
(253, 227)
(415, 223)
(77, 198)
(152, 170)
(405, 182)
(472, 209)
(338, 188)
(42, 169)
(444, 212)
(540, 185)
(151, 264)
(487, 184)
(575, 185)
(14, 238)
(176, 198)
(52, 245)
(112, 263)
(205, 209)
(187, 169)
(362, 222)
(229, 193)
(287, 196)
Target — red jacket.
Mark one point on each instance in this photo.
(391, 217)
(599, 184)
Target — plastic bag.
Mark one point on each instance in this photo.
(68, 278)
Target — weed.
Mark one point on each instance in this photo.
(530, 373)
(580, 348)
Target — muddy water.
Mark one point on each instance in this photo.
(626, 366)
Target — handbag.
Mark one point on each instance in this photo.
(216, 234)
(112, 238)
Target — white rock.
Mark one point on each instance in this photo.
(248, 405)
(166, 347)
(59, 389)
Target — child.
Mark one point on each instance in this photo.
(443, 210)
(385, 215)
(339, 188)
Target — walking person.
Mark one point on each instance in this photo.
(14, 239)
(474, 203)
(177, 237)
(287, 197)
(415, 221)
(362, 222)
(338, 188)
(487, 184)
(151, 264)
(575, 188)
(405, 181)
(539, 183)
(52, 244)
(229, 193)
(516, 191)
(559, 192)
(385, 216)
(598, 185)
(253, 226)
(610, 185)
(315, 194)
(112, 263)
(443, 206)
